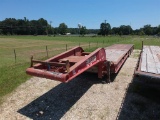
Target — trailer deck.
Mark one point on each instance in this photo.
(117, 54)
(149, 62)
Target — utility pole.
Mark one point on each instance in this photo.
(79, 26)
(129, 28)
(50, 23)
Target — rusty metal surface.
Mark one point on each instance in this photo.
(120, 46)
(118, 54)
(78, 63)
(115, 52)
(147, 74)
(144, 65)
(73, 59)
(54, 72)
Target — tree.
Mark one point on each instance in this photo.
(115, 30)
(42, 27)
(83, 30)
(105, 28)
(158, 30)
(0, 31)
(62, 28)
(125, 29)
(141, 32)
(147, 29)
(73, 30)
(24, 26)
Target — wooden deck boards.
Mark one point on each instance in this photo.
(150, 59)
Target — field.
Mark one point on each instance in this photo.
(15, 52)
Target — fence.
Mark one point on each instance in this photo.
(23, 54)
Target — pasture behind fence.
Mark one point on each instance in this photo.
(21, 56)
(42, 52)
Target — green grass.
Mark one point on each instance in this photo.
(13, 74)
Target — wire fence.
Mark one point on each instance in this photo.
(41, 52)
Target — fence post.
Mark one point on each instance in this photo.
(66, 47)
(142, 45)
(103, 43)
(47, 51)
(15, 56)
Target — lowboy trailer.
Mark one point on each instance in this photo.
(67, 65)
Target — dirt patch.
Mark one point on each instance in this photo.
(85, 97)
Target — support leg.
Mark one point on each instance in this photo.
(108, 71)
(100, 70)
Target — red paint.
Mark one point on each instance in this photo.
(79, 62)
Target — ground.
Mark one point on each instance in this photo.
(85, 97)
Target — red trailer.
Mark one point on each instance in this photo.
(66, 66)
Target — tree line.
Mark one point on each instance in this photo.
(105, 29)
(12, 26)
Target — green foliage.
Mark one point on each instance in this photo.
(158, 30)
(23, 26)
(0, 31)
(126, 30)
(11, 77)
(122, 30)
(141, 33)
(115, 31)
(120, 33)
(105, 28)
(83, 30)
(62, 28)
(12, 26)
(147, 30)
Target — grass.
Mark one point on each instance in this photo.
(13, 74)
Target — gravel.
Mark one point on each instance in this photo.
(85, 98)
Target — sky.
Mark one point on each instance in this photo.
(89, 13)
